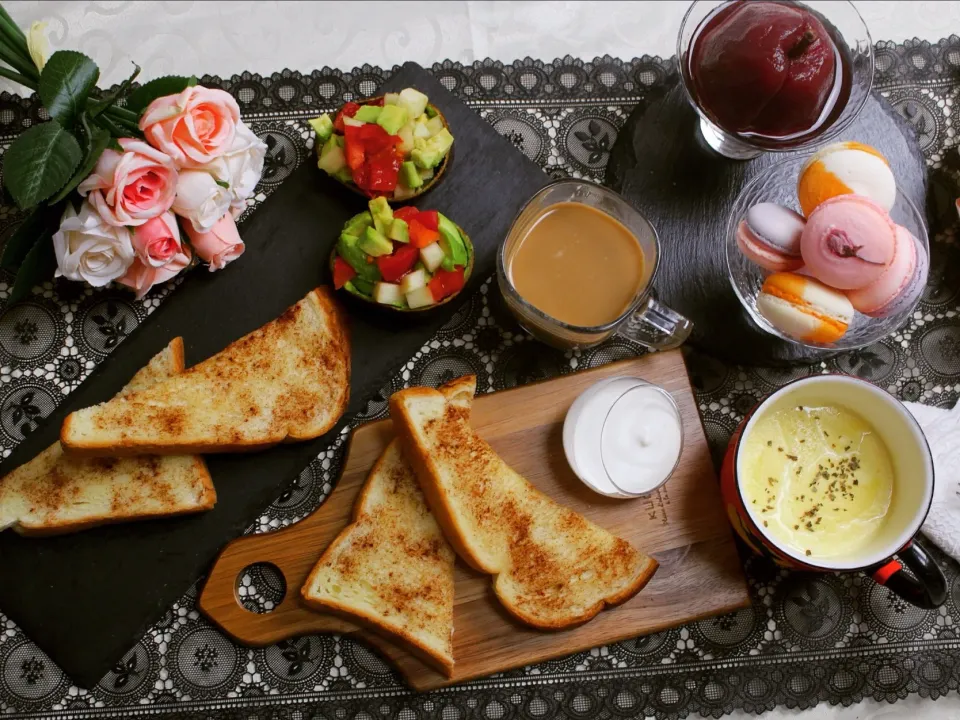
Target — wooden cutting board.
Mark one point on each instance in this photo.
(683, 525)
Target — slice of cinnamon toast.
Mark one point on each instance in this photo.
(286, 381)
(56, 493)
(552, 567)
(390, 569)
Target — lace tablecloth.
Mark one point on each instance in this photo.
(807, 638)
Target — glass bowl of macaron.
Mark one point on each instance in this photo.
(401, 260)
(825, 251)
(395, 146)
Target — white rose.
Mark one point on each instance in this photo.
(89, 249)
(240, 166)
(200, 199)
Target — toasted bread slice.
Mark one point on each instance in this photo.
(552, 567)
(288, 380)
(55, 493)
(391, 569)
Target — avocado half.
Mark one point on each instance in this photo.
(437, 175)
(467, 271)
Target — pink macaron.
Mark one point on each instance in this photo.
(769, 235)
(848, 242)
(900, 285)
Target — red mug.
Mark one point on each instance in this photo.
(894, 546)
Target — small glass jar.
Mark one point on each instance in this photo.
(623, 437)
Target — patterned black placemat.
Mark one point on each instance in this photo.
(806, 639)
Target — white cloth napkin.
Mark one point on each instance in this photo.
(942, 428)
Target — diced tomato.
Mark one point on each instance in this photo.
(406, 213)
(354, 149)
(361, 175)
(420, 234)
(384, 169)
(395, 266)
(348, 110)
(342, 272)
(375, 138)
(429, 219)
(446, 283)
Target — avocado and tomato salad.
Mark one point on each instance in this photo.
(407, 259)
(392, 146)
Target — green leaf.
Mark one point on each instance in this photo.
(37, 266)
(223, 184)
(95, 141)
(40, 162)
(35, 226)
(148, 92)
(107, 100)
(66, 80)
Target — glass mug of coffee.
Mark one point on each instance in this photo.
(832, 474)
(578, 266)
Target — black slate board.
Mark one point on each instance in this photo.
(660, 164)
(85, 599)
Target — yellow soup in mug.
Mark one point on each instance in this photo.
(818, 479)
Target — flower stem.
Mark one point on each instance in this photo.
(122, 112)
(17, 77)
(9, 56)
(13, 31)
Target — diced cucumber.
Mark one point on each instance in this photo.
(448, 263)
(401, 192)
(391, 99)
(322, 126)
(368, 113)
(392, 118)
(431, 111)
(344, 175)
(388, 294)
(399, 231)
(406, 138)
(414, 101)
(432, 255)
(425, 173)
(420, 130)
(352, 121)
(434, 125)
(332, 160)
(340, 140)
(421, 297)
(413, 280)
(409, 175)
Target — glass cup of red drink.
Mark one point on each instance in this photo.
(774, 75)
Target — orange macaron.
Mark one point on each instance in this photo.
(804, 308)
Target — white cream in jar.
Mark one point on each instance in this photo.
(623, 436)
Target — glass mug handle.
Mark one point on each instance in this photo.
(927, 588)
(656, 326)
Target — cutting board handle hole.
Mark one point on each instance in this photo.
(260, 588)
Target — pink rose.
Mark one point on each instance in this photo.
(141, 277)
(157, 241)
(131, 187)
(220, 245)
(193, 127)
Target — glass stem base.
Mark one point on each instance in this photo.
(726, 144)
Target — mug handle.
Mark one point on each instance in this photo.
(927, 589)
(656, 326)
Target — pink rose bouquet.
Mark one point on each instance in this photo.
(132, 187)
